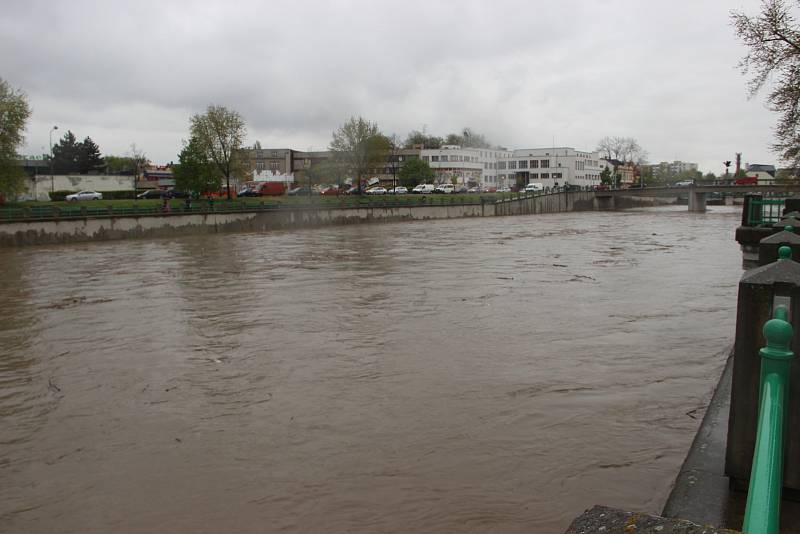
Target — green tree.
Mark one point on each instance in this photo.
(359, 147)
(773, 40)
(710, 177)
(67, 154)
(14, 113)
(326, 172)
(468, 139)
(786, 176)
(415, 172)
(606, 177)
(89, 158)
(417, 138)
(194, 171)
(119, 165)
(219, 134)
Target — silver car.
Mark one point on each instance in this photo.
(85, 195)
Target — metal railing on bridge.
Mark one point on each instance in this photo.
(762, 514)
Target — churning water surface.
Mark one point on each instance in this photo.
(472, 375)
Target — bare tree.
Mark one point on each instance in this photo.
(625, 149)
(773, 39)
(139, 161)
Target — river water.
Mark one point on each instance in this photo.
(472, 375)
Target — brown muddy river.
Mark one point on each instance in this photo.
(480, 375)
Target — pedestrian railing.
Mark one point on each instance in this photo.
(762, 515)
(96, 209)
(764, 211)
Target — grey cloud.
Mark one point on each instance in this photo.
(521, 72)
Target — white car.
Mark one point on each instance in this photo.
(533, 187)
(376, 191)
(423, 189)
(85, 195)
(444, 188)
(503, 190)
(399, 190)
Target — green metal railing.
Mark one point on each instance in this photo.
(762, 515)
(764, 211)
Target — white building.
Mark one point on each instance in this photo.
(469, 166)
(504, 168)
(550, 167)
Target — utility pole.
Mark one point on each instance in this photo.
(52, 181)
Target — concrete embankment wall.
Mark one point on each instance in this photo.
(91, 229)
(558, 203)
(176, 224)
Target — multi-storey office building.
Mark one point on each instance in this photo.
(469, 166)
(550, 167)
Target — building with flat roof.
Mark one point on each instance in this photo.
(468, 166)
(557, 166)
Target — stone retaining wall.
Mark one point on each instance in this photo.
(174, 224)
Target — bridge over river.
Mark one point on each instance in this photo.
(696, 193)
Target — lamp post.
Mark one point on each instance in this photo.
(52, 181)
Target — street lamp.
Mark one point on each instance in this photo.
(52, 187)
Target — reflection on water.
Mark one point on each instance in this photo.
(465, 375)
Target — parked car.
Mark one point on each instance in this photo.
(534, 187)
(330, 190)
(503, 190)
(85, 195)
(444, 188)
(399, 190)
(684, 183)
(477, 189)
(247, 192)
(423, 189)
(376, 190)
(461, 189)
(173, 193)
(301, 191)
(150, 193)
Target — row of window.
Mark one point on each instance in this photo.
(273, 166)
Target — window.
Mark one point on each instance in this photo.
(444, 158)
(545, 163)
(523, 164)
(534, 175)
(273, 165)
(425, 158)
(501, 165)
(260, 166)
(545, 176)
(434, 158)
(512, 164)
(274, 154)
(534, 164)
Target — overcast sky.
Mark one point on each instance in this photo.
(526, 74)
